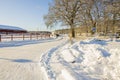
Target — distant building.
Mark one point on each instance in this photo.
(11, 29)
(39, 32)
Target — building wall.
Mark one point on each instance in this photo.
(11, 31)
(39, 32)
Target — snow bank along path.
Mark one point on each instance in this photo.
(21, 62)
(90, 59)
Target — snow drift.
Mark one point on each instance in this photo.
(86, 60)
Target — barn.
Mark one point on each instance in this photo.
(4, 29)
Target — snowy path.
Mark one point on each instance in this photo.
(21, 63)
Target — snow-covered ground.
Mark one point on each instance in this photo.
(19, 60)
(26, 42)
(91, 59)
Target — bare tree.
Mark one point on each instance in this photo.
(111, 16)
(86, 17)
(91, 14)
(113, 13)
(102, 15)
(65, 12)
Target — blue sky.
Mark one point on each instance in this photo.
(27, 14)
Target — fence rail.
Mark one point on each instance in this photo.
(17, 37)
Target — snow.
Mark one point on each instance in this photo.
(90, 59)
(25, 42)
(19, 60)
(67, 75)
(57, 59)
(10, 27)
(45, 58)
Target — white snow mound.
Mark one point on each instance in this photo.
(87, 60)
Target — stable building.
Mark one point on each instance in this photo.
(4, 29)
(39, 32)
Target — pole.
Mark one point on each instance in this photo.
(0, 38)
(11, 37)
(37, 36)
(30, 36)
(23, 36)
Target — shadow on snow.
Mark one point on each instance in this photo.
(18, 60)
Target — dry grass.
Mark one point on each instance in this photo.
(81, 38)
(78, 38)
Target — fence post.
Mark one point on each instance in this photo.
(11, 37)
(45, 36)
(30, 36)
(49, 35)
(37, 36)
(40, 36)
(0, 38)
(23, 36)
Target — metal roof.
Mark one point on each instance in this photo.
(5, 27)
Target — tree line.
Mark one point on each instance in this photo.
(91, 14)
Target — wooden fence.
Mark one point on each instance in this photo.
(16, 37)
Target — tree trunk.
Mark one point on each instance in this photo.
(72, 34)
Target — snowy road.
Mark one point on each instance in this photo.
(21, 62)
